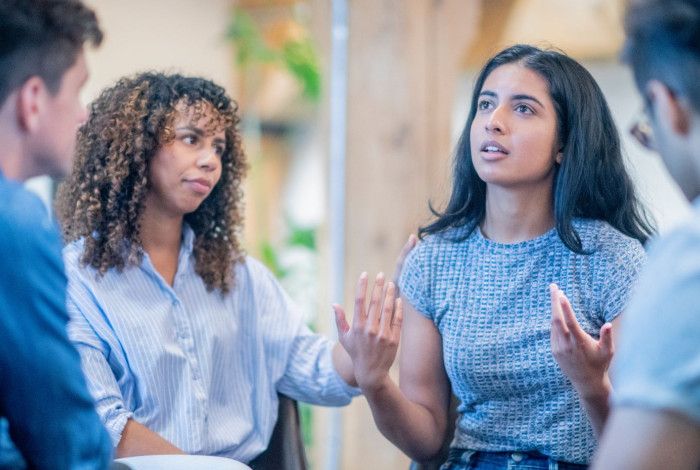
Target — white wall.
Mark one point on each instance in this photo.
(171, 35)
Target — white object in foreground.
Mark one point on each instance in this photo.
(181, 462)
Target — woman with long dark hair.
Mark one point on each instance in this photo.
(540, 197)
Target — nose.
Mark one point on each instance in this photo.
(208, 159)
(496, 121)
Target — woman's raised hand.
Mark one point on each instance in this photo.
(582, 358)
(373, 338)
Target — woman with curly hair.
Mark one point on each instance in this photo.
(185, 341)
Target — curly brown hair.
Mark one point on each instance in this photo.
(102, 199)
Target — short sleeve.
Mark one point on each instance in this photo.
(414, 281)
(658, 360)
(619, 279)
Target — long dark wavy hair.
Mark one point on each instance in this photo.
(591, 181)
(102, 199)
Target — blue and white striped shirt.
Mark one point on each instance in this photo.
(200, 369)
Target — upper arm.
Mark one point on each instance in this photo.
(38, 364)
(641, 439)
(422, 376)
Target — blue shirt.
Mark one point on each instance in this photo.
(657, 365)
(47, 417)
(200, 369)
(490, 302)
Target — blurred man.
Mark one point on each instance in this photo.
(47, 417)
(655, 422)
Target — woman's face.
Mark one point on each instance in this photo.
(513, 135)
(183, 172)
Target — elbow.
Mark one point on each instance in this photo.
(431, 450)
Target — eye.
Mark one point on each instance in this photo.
(484, 104)
(524, 109)
(220, 149)
(190, 139)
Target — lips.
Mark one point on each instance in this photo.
(494, 148)
(199, 185)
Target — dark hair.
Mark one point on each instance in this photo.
(102, 199)
(42, 38)
(663, 43)
(591, 181)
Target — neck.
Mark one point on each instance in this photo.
(160, 232)
(12, 158)
(516, 215)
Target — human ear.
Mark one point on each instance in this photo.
(31, 99)
(670, 111)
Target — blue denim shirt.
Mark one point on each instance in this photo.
(47, 417)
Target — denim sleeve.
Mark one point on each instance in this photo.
(52, 420)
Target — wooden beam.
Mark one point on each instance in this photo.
(404, 63)
(494, 18)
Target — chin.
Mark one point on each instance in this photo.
(496, 178)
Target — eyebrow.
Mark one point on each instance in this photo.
(199, 133)
(514, 97)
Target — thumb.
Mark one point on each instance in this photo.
(606, 339)
(340, 321)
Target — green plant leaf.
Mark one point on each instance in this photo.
(302, 61)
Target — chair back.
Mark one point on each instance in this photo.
(286, 448)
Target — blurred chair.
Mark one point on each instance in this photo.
(286, 448)
(439, 459)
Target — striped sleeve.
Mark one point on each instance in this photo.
(99, 376)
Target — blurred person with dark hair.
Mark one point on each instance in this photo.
(655, 422)
(185, 340)
(540, 196)
(47, 417)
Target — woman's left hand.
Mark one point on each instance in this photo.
(582, 358)
(373, 339)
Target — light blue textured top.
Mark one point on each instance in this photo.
(490, 302)
(200, 369)
(658, 359)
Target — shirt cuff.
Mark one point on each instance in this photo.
(115, 423)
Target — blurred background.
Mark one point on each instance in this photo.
(350, 113)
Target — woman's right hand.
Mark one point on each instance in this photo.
(373, 338)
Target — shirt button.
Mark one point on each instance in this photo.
(517, 457)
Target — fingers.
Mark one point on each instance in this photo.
(375, 304)
(570, 318)
(606, 339)
(358, 318)
(397, 321)
(558, 323)
(340, 321)
(387, 317)
(407, 247)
